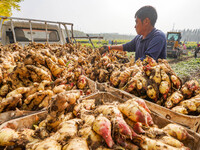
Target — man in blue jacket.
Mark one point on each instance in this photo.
(149, 41)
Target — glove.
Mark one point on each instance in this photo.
(104, 49)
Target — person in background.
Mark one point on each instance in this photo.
(197, 50)
(149, 41)
(184, 46)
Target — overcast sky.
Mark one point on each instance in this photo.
(112, 16)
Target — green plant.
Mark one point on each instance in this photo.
(187, 70)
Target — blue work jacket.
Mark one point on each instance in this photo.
(153, 45)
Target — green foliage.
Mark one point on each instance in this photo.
(6, 7)
(99, 43)
(131, 54)
(191, 45)
(67, 63)
(187, 69)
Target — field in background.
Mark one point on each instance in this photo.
(191, 45)
(98, 43)
(188, 69)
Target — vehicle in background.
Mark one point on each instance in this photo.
(174, 48)
(24, 31)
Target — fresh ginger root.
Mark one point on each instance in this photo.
(102, 126)
(177, 131)
(76, 144)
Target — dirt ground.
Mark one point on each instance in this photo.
(180, 59)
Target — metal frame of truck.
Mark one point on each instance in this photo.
(22, 22)
(9, 24)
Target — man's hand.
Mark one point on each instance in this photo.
(103, 49)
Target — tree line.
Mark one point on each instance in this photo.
(190, 34)
(187, 35)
